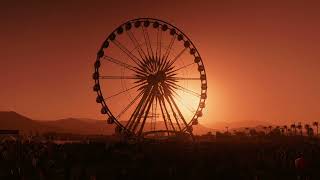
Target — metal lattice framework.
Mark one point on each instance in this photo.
(150, 79)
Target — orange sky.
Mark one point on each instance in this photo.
(262, 59)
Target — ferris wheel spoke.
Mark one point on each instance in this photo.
(176, 86)
(167, 112)
(147, 41)
(176, 58)
(141, 81)
(186, 105)
(120, 63)
(142, 88)
(178, 110)
(164, 60)
(166, 94)
(173, 113)
(164, 64)
(182, 78)
(159, 39)
(119, 77)
(129, 105)
(137, 45)
(128, 53)
(185, 66)
(140, 108)
(166, 55)
(121, 92)
(146, 114)
(168, 87)
(154, 112)
(135, 113)
(157, 49)
(155, 64)
(172, 81)
(163, 116)
(142, 111)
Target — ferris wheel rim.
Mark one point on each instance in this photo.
(185, 39)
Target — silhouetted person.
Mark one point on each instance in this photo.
(301, 167)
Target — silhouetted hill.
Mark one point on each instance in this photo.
(82, 126)
(13, 120)
(201, 129)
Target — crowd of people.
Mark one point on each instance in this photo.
(257, 159)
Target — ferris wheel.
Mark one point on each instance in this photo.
(150, 79)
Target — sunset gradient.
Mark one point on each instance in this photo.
(262, 60)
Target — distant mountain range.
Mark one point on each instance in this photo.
(13, 120)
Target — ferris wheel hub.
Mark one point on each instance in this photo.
(156, 78)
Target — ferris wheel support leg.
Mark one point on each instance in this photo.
(133, 122)
(136, 112)
(167, 113)
(146, 115)
(165, 94)
(179, 112)
(145, 103)
(163, 116)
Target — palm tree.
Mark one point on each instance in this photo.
(285, 127)
(310, 132)
(307, 127)
(270, 128)
(253, 132)
(316, 124)
(265, 129)
(300, 128)
(247, 130)
(227, 128)
(294, 127)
